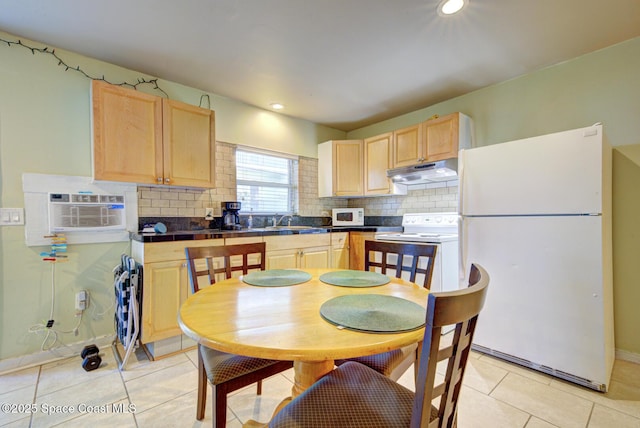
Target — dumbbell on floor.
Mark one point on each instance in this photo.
(90, 357)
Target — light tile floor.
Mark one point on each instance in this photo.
(163, 394)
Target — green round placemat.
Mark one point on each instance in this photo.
(374, 313)
(276, 277)
(354, 278)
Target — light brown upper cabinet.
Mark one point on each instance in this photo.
(340, 168)
(141, 138)
(441, 137)
(377, 153)
(351, 168)
(432, 140)
(408, 146)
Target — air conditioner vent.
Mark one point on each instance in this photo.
(84, 212)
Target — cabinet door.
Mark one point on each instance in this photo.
(165, 287)
(340, 257)
(356, 248)
(376, 163)
(340, 250)
(441, 137)
(347, 168)
(127, 134)
(189, 144)
(282, 259)
(314, 258)
(408, 146)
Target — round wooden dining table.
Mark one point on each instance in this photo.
(284, 323)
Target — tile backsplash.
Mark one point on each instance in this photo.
(423, 198)
(158, 201)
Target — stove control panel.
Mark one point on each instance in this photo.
(431, 220)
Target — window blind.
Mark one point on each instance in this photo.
(266, 183)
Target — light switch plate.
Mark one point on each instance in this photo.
(11, 216)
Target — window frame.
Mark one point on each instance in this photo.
(292, 186)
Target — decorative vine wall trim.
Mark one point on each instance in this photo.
(62, 63)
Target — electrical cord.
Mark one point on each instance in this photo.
(48, 327)
(97, 315)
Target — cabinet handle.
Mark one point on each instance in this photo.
(159, 179)
(184, 265)
(166, 180)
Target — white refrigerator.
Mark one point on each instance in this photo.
(536, 214)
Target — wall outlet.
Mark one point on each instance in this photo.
(208, 213)
(82, 300)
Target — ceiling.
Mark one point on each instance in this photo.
(341, 63)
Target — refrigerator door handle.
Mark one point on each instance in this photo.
(461, 156)
(461, 250)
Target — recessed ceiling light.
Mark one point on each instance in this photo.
(277, 106)
(449, 7)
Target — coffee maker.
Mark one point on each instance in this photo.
(230, 218)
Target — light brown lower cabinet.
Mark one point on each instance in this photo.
(165, 286)
(340, 250)
(356, 248)
(298, 251)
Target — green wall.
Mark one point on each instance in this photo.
(45, 128)
(603, 86)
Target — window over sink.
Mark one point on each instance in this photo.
(267, 182)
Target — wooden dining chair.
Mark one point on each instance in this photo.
(355, 395)
(420, 259)
(226, 372)
(401, 251)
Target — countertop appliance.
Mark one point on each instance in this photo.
(440, 229)
(347, 217)
(536, 214)
(230, 217)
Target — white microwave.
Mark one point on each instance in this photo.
(347, 217)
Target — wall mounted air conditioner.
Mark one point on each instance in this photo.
(69, 212)
(86, 211)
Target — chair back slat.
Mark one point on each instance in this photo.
(402, 251)
(222, 260)
(459, 307)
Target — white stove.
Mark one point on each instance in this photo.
(425, 227)
(440, 229)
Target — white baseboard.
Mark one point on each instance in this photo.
(627, 356)
(43, 357)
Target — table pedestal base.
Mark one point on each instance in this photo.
(306, 374)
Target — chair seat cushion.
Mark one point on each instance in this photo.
(386, 362)
(352, 395)
(220, 366)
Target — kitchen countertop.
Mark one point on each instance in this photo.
(189, 235)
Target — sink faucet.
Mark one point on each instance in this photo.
(281, 218)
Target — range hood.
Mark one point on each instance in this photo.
(428, 172)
